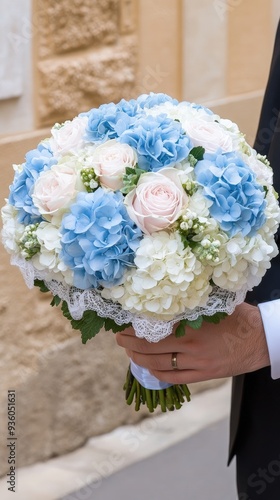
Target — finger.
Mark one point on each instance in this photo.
(128, 331)
(168, 345)
(162, 362)
(181, 376)
(122, 337)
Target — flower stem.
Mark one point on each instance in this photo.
(168, 399)
(162, 400)
(155, 399)
(138, 397)
(149, 400)
(131, 394)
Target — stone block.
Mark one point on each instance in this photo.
(74, 84)
(65, 26)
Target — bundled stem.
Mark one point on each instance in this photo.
(169, 399)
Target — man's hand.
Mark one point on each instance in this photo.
(236, 345)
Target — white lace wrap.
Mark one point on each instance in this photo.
(145, 378)
(153, 330)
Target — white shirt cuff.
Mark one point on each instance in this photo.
(270, 313)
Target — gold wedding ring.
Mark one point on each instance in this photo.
(174, 361)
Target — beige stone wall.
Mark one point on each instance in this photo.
(85, 53)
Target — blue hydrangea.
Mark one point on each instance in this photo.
(109, 121)
(98, 239)
(238, 201)
(152, 99)
(131, 108)
(159, 142)
(21, 190)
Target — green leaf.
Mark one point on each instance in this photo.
(216, 318)
(197, 152)
(110, 324)
(131, 178)
(55, 301)
(41, 285)
(89, 325)
(195, 324)
(65, 311)
(186, 239)
(130, 171)
(180, 330)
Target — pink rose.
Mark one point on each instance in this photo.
(157, 201)
(55, 189)
(110, 161)
(209, 135)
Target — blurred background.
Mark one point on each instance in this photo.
(59, 58)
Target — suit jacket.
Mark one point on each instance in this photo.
(267, 143)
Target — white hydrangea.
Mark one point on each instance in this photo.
(186, 170)
(199, 204)
(242, 261)
(264, 173)
(272, 213)
(258, 253)
(12, 230)
(231, 271)
(167, 279)
(48, 259)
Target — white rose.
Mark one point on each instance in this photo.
(210, 135)
(238, 139)
(157, 201)
(229, 125)
(110, 160)
(69, 136)
(182, 112)
(55, 189)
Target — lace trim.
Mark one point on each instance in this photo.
(153, 330)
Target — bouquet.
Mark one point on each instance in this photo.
(151, 213)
